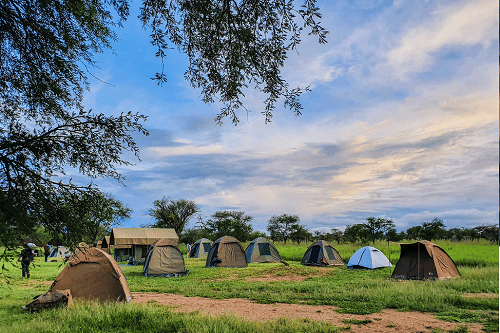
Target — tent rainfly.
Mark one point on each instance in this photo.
(261, 250)
(92, 274)
(201, 248)
(164, 259)
(321, 253)
(134, 243)
(422, 261)
(368, 257)
(226, 252)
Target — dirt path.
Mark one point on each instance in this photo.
(386, 321)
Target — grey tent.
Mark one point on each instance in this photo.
(368, 257)
(201, 248)
(261, 250)
(424, 260)
(164, 259)
(321, 253)
(226, 252)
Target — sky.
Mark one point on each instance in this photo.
(402, 122)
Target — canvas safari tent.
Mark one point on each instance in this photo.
(134, 243)
(201, 248)
(164, 259)
(226, 252)
(368, 257)
(424, 260)
(321, 253)
(261, 250)
(92, 274)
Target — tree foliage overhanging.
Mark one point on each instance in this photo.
(46, 55)
(232, 45)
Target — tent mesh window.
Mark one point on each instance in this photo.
(264, 249)
(207, 246)
(144, 253)
(329, 252)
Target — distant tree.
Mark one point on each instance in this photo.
(456, 234)
(392, 236)
(281, 227)
(256, 234)
(190, 236)
(377, 227)
(174, 214)
(77, 217)
(489, 232)
(434, 229)
(414, 232)
(356, 233)
(230, 223)
(299, 233)
(337, 235)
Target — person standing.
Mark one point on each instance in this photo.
(26, 258)
(46, 250)
(188, 249)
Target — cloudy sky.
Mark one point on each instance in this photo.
(402, 122)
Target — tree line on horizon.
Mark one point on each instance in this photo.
(176, 214)
(95, 219)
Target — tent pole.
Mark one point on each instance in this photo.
(389, 251)
(418, 261)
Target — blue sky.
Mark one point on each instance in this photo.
(401, 123)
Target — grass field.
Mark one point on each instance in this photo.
(353, 291)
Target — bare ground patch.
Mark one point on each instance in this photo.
(388, 320)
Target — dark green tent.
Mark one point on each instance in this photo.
(321, 253)
(261, 250)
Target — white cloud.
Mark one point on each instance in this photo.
(473, 23)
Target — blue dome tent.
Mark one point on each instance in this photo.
(368, 257)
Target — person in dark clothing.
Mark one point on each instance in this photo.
(26, 257)
(46, 250)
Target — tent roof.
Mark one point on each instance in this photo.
(140, 236)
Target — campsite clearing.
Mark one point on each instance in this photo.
(470, 301)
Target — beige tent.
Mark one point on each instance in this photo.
(93, 275)
(135, 242)
(321, 253)
(201, 248)
(261, 250)
(226, 252)
(164, 259)
(424, 260)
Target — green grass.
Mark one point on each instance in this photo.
(352, 291)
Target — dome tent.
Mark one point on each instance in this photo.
(261, 250)
(368, 257)
(226, 252)
(321, 253)
(92, 274)
(201, 248)
(164, 259)
(424, 260)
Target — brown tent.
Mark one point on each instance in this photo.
(226, 252)
(93, 275)
(424, 260)
(164, 259)
(321, 253)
